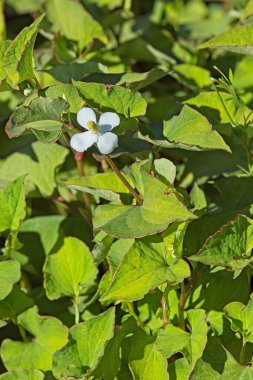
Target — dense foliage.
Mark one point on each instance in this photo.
(132, 260)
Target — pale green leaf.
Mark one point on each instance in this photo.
(70, 270)
(71, 19)
(49, 335)
(12, 205)
(192, 128)
(23, 374)
(238, 40)
(40, 171)
(9, 274)
(241, 318)
(68, 92)
(145, 361)
(87, 342)
(191, 345)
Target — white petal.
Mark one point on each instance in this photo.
(108, 121)
(107, 143)
(84, 115)
(82, 141)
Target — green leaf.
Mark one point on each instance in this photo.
(156, 213)
(87, 342)
(134, 81)
(229, 247)
(192, 128)
(238, 40)
(21, 374)
(3, 47)
(146, 266)
(9, 274)
(218, 364)
(12, 205)
(42, 117)
(14, 304)
(105, 185)
(166, 169)
(191, 345)
(145, 361)
(49, 335)
(40, 170)
(68, 92)
(114, 98)
(117, 252)
(240, 317)
(18, 57)
(70, 270)
(113, 351)
(71, 19)
(193, 75)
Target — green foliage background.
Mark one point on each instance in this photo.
(152, 290)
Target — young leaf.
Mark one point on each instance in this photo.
(86, 345)
(49, 335)
(18, 57)
(9, 274)
(240, 317)
(230, 246)
(115, 98)
(12, 205)
(192, 128)
(42, 117)
(143, 268)
(191, 345)
(70, 270)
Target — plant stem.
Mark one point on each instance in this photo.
(181, 305)
(242, 353)
(86, 197)
(77, 313)
(225, 108)
(165, 318)
(123, 180)
(22, 332)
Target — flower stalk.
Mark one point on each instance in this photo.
(86, 197)
(123, 179)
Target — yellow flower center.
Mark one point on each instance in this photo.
(93, 127)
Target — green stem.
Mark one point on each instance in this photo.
(242, 353)
(77, 312)
(164, 310)
(86, 197)
(123, 180)
(22, 333)
(181, 306)
(9, 244)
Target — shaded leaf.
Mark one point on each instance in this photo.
(86, 345)
(9, 274)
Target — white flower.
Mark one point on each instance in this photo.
(98, 133)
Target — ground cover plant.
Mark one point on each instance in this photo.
(126, 163)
